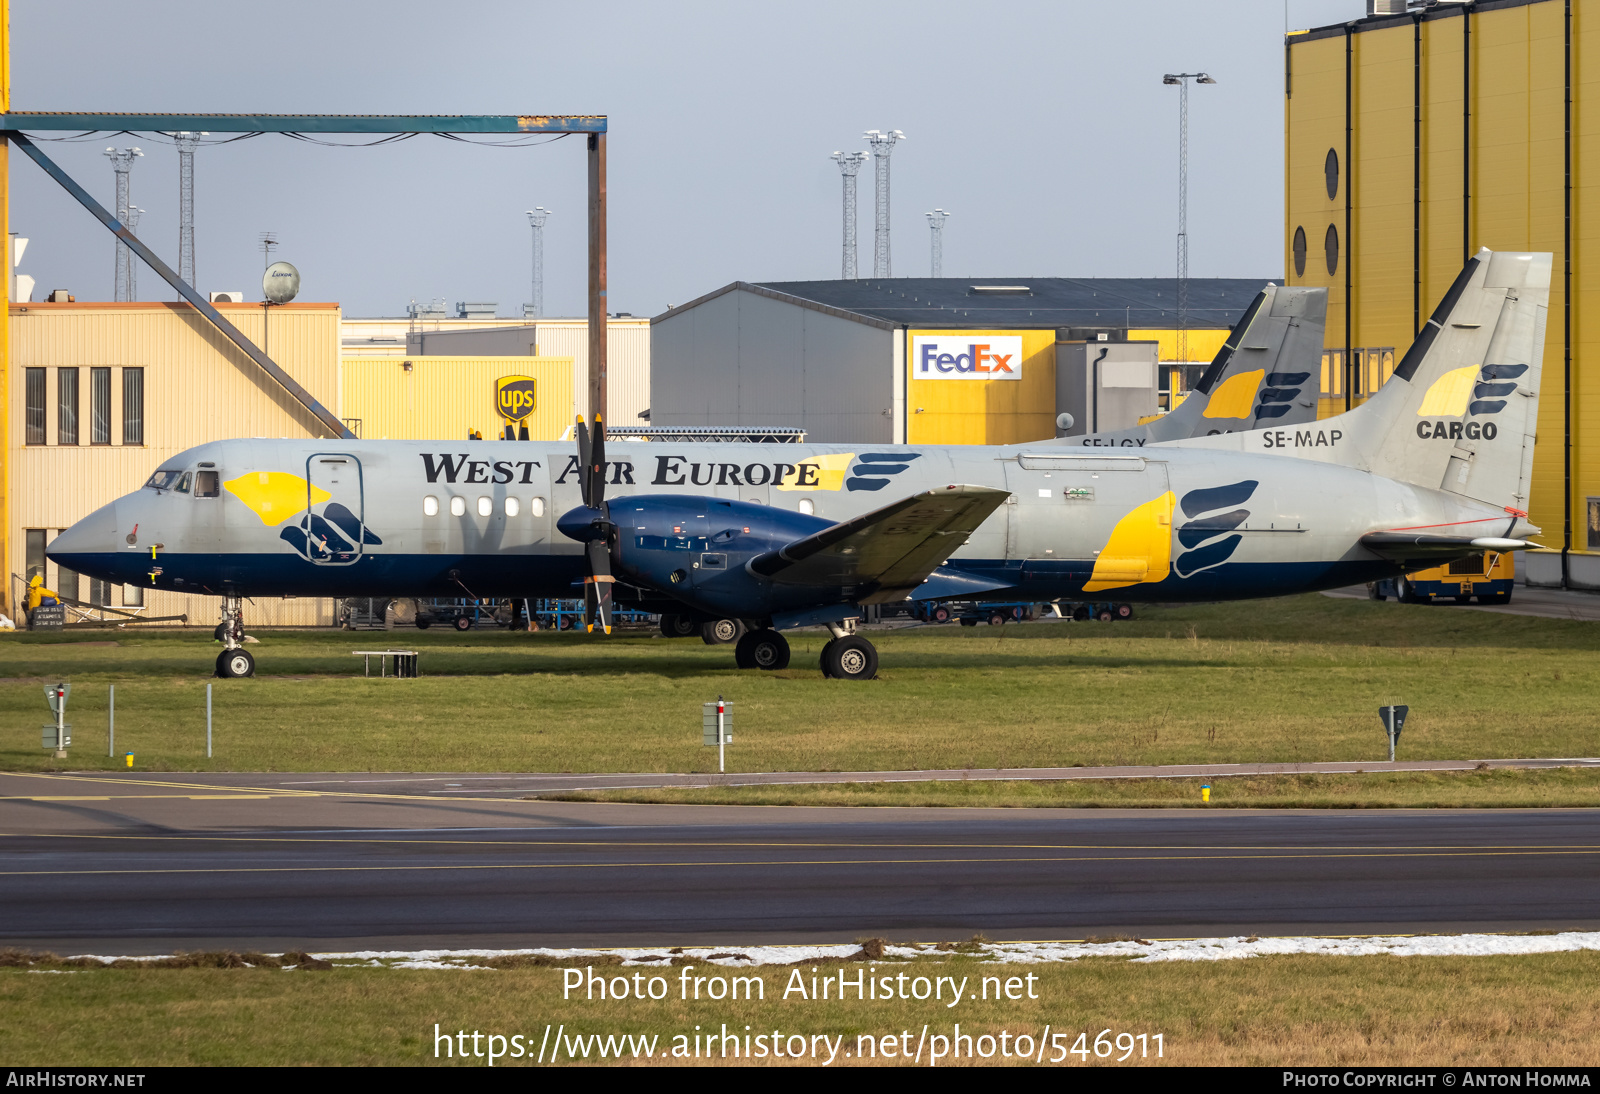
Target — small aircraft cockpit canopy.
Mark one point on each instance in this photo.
(163, 480)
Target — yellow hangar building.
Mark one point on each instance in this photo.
(1411, 140)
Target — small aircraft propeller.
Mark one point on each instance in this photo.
(599, 532)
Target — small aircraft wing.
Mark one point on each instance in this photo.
(1412, 547)
(884, 555)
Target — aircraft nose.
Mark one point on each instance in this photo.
(92, 538)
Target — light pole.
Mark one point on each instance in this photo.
(536, 218)
(849, 166)
(882, 145)
(1182, 80)
(936, 221)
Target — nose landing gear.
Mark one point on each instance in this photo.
(234, 660)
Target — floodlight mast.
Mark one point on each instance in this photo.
(936, 221)
(132, 221)
(122, 164)
(536, 218)
(187, 142)
(882, 145)
(849, 166)
(1181, 79)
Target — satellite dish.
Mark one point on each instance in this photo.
(280, 283)
(1063, 422)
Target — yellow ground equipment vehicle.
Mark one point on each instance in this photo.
(1488, 576)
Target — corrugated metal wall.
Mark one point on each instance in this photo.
(448, 397)
(627, 363)
(741, 359)
(198, 388)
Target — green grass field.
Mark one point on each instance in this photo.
(1286, 1010)
(1296, 679)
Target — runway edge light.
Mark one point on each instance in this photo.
(1394, 719)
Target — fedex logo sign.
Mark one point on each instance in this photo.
(966, 357)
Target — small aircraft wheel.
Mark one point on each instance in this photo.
(850, 658)
(968, 621)
(996, 618)
(678, 626)
(1081, 613)
(566, 622)
(463, 622)
(423, 623)
(939, 614)
(1124, 611)
(762, 649)
(235, 663)
(721, 632)
(1373, 593)
(1104, 615)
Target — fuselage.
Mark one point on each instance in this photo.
(434, 518)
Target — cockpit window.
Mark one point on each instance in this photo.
(183, 483)
(205, 484)
(162, 480)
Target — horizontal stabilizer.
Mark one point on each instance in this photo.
(1413, 547)
(884, 555)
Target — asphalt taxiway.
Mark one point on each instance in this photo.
(110, 864)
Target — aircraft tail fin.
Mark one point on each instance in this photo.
(1266, 372)
(1463, 413)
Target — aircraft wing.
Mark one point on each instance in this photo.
(1412, 547)
(887, 553)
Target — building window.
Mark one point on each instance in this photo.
(1594, 528)
(1299, 252)
(1330, 244)
(34, 428)
(99, 592)
(66, 583)
(33, 563)
(133, 406)
(99, 406)
(132, 596)
(66, 406)
(1333, 372)
(1330, 173)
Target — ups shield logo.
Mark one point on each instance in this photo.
(513, 397)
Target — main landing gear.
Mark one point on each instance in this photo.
(234, 660)
(847, 656)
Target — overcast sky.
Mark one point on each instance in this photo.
(1043, 128)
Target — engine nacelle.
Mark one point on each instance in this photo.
(694, 549)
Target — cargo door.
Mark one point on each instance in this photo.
(335, 512)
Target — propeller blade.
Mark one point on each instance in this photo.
(597, 586)
(597, 465)
(583, 462)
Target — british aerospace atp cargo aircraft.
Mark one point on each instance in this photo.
(1435, 465)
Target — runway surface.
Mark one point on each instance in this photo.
(116, 865)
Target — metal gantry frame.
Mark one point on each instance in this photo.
(14, 125)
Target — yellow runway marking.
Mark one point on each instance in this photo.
(159, 783)
(722, 864)
(243, 796)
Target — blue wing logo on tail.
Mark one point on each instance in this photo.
(1214, 512)
(1279, 393)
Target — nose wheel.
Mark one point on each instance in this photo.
(234, 661)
